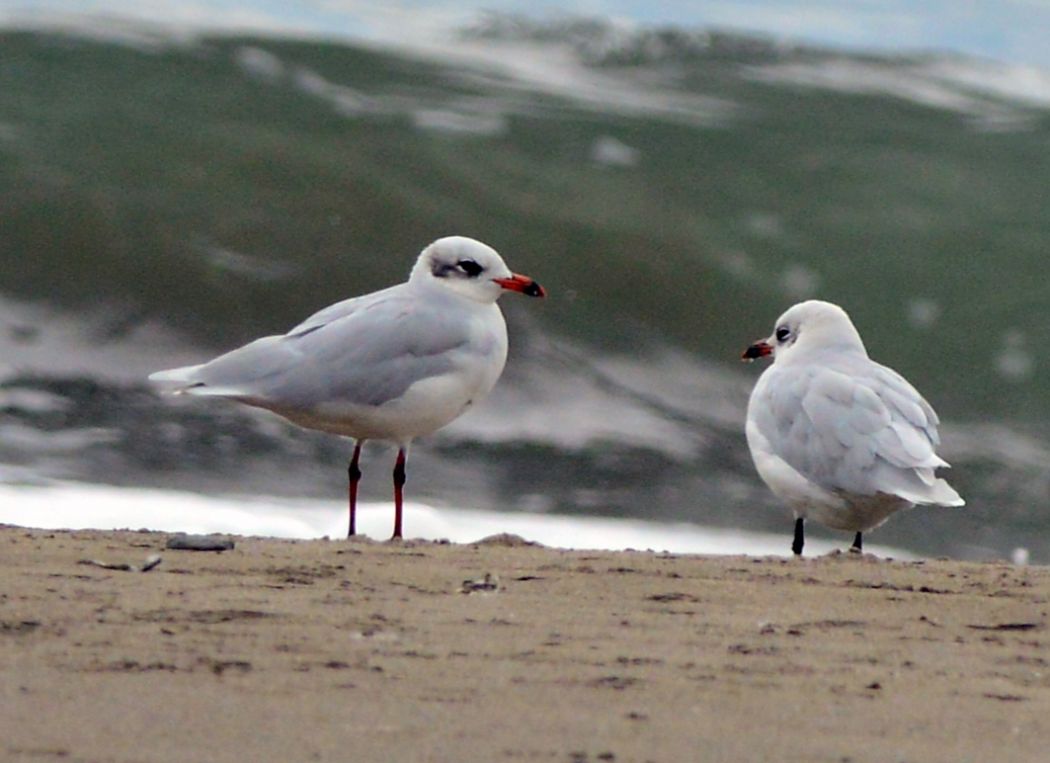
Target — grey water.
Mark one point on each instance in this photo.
(165, 198)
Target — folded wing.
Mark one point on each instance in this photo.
(861, 430)
(365, 351)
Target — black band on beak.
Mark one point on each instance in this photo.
(534, 290)
(757, 350)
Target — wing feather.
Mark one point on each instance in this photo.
(855, 427)
(364, 351)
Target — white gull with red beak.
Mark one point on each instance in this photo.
(840, 438)
(392, 365)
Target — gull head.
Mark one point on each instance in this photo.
(808, 327)
(471, 269)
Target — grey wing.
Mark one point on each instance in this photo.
(345, 308)
(862, 431)
(368, 354)
(902, 398)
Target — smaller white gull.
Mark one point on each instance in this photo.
(392, 365)
(838, 437)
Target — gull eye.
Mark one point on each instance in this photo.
(782, 333)
(471, 268)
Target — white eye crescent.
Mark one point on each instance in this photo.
(470, 267)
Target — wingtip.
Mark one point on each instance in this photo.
(173, 376)
(947, 495)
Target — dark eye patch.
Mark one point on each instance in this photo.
(470, 267)
(782, 333)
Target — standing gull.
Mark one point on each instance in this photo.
(838, 437)
(392, 365)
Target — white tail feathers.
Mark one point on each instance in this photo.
(937, 493)
(919, 485)
(944, 494)
(185, 381)
(182, 377)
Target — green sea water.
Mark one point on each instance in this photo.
(674, 193)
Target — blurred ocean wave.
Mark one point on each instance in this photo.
(674, 189)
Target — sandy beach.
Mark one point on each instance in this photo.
(321, 650)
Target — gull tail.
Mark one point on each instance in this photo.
(186, 381)
(919, 485)
(177, 380)
(935, 491)
(945, 495)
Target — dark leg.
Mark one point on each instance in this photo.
(796, 544)
(399, 483)
(857, 546)
(354, 475)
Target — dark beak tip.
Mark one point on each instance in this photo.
(757, 350)
(534, 290)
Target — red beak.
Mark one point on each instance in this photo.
(759, 349)
(522, 284)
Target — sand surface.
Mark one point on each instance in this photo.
(364, 651)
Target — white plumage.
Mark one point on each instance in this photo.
(840, 438)
(392, 365)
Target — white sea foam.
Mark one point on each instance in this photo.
(1014, 82)
(563, 395)
(1014, 361)
(611, 152)
(69, 505)
(459, 122)
(923, 312)
(554, 392)
(259, 63)
(508, 69)
(556, 69)
(996, 95)
(461, 116)
(37, 339)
